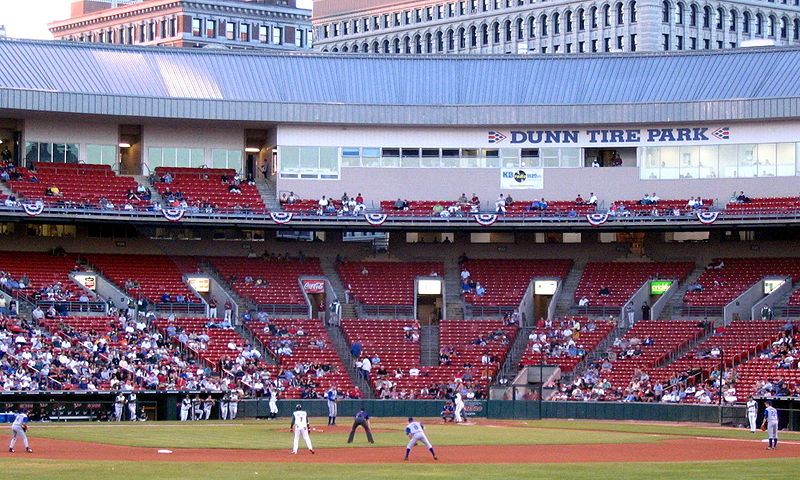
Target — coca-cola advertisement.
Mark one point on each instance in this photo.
(314, 286)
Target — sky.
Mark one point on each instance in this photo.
(29, 18)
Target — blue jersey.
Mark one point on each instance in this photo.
(414, 427)
(20, 419)
(771, 415)
(330, 394)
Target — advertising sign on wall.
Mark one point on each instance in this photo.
(522, 178)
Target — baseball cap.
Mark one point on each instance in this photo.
(298, 407)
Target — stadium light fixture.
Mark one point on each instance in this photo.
(252, 150)
(124, 145)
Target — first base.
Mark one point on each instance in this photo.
(165, 451)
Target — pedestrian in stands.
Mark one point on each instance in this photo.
(604, 291)
(212, 308)
(228, 310)
(592, 199)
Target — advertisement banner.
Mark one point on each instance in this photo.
(522, 178)
(314, 286)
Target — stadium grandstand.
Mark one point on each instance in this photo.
(607, 227)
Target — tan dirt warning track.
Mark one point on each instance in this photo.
(671, 450)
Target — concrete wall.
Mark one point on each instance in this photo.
(81, 132)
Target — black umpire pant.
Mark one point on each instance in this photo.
(360, 422)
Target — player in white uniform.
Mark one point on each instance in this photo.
(771, 422)
(186, 406)
(18, 429)
(416, 433)
(119, 402)
(233, 406)
(132, 406)
(273, 402)
(207, 405)
(197, 408)
(224, 402)
(459, 407)
(752, 411)
(300, 427)
(332, 396)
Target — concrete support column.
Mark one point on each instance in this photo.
(648, 21)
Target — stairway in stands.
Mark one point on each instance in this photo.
(452, 288)
(672, 310)
(429, 345)
(343, 349)
(510, 366)
(268, 194)
(566, 298)
(329, 269)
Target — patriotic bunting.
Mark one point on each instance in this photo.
(707, 218)
(173, 214)
(597, 219)
(280, 217)
(486, 219)
(375, 219)
(33, 209)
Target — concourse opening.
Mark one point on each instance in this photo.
(429, 306)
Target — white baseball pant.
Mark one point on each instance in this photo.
(297, 433)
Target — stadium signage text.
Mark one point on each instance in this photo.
(314, 286)
(601, 136)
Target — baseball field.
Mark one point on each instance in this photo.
(483, 449)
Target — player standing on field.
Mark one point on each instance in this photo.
(223, 405)
(132, 406)
(233, 407)
(273, 402)
(332, 396)
(752, 410)
(771, 423)
(208, 404)
(416, 433)
(186, 406)
(300, 427)
(459, 407)
(18, 429)
(362, 419)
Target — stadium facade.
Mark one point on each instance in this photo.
(525, 26)
(233, 24)
(681, 124)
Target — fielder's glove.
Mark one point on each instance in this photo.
(24, 428)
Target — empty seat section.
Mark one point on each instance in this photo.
(79, 184)
(722, 285)
(42, 271)
(623, 279)
(506, 280)
(155, 275)
(773, 205)
(385, 283)
(279, 278)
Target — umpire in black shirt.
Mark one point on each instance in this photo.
(362, 419)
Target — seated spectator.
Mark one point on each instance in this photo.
(509, 200)
(167, 178)
(616, 161)
(479, 290)
(165, 298)
(742, 198)
(715, 264)
(579, 200)
(463, 198)
(583, 302)
(695, 287)
(604, 291)
(475, 200)
(234, 188)
(398, 204)
(592, 199)
(359, 199)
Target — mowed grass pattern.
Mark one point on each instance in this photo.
(276, 435)
(32, 469)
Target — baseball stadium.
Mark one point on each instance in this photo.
(245, 264)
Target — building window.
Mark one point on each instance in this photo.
(163, 29)
(211, 28)
(665, 42)
(230, 30)
(51, 152)
(496, 33)
(509, 31)
(543, 26)
(594, 46)
(746, 22)
(593, 14)
(665, 11)
(632, 11)
(693, 15)
(679, 42)
(633, 43)
(706, 17)
(277, 35)
(619, 14)
(484, 34)
(175, 157)
(298, 37)
(151, 31)
(679, 14)
(263, 34)
(606, 15)
(734, 20)
(720, 18)
(173, 27)
(759, 24)
(692, 43)
(197, 27)
(581, 20)
(619, 43)
(606, 44)
(244, 32)
(556, 24)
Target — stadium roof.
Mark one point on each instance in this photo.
(411, 89)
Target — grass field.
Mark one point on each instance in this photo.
(274, 435)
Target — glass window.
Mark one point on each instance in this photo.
(371, 157)
(263, 34)
(727, 161)
(510, 157)
(469, 157)
(230, 30)
(277, 35)
(689, 162)
(650, 164)
(198, 157)
(211, 28)
(410, 157)
(390, 157)
(549, 157)
(570, 157)
(197, 27)
(746, 156)
(670, 162)
(490, 158)
(785, 159)
(329, 159)
(451, 157)
(430, 157)
(707, 164)
(183, 157)
(290, 158)
(531, 158)
(765, 160)
(244, 32)
(309, 158)
(351, 157)
(101, 154)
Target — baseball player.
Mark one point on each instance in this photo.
(273, 402)
(132, 406)
(18, 429)
(300, 427)
(186, 406)
(197, 408)
(233, 406)
(752, 410)
(416, 433)
(207, 405)
(459, 401)
(771, 424)
(448, 412)
(362, 420)
(332, 396)
(223, 405)
(119, 402)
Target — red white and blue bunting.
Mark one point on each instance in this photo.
(375, 219)
(280, 217)
(173, 214)
(707, 218)
(33, 209)
(597, 219)
(486, 219)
